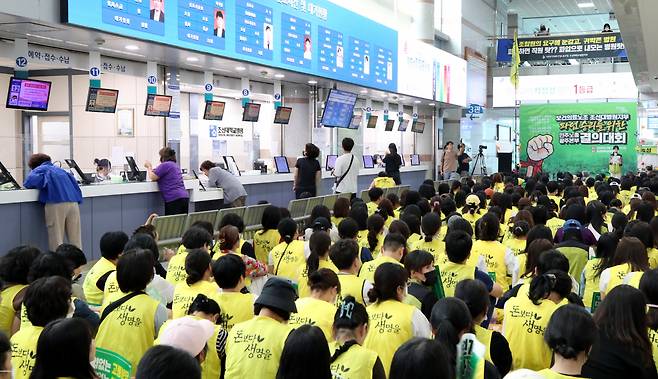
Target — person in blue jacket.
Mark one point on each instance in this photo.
(60, 194)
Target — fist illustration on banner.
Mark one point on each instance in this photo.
(540, 147)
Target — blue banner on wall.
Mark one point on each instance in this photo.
(313, 37)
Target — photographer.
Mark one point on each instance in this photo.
(464, 160)
(449, 164)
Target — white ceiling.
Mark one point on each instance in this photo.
(562, 16)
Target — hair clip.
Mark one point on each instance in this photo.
(346, 310)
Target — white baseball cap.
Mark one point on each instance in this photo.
(188, 333)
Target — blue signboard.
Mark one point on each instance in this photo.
(312, 37)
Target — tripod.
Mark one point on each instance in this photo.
(483, 166)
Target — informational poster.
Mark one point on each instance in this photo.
(599, 45)
(577, 137)
(109, 365)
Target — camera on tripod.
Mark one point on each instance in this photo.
(482, 147)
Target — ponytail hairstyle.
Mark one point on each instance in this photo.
(489, 227)
(349, 316)
(375, 226)
(288, 230)
(319, 244)
(605, 251)
(570, 331)
(472, 204)
(431, 224)
(520, 229)
(551, 281)
(649, 287)
(205, 305)
(388, 278)
(619, 222)
(197, 263)
(323, 280)
(386, 208)
(229, 236)
(399, 226)
(450, 318)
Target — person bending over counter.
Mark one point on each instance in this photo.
(170, 181)
(234, 192)
(60, 194)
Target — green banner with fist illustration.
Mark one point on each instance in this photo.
(577, 137)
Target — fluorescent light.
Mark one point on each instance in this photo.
(279, 76)
(312, 82)
(431, 104)
(573, 62)
(384, 95)
(192, 59)
(240, 68)
(76, 44)
(364, 91)
(588, 4)
(132, 47)
(417, 101)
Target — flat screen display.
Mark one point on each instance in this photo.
(338, 109)
(356, 122)
(214, 111)
(331, 162)
(251, 112)
(157, 105)
(403, 126)
(415, 160)
(28, 94)
(102, 100)
(372, 122)
(368, 161)
(281, 164)
(389, 125)
(282, 115)
(418, 127)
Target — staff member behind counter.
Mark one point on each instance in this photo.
(234, 192)
(170, 181)
(60, 194)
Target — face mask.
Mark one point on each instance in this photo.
(430, 278)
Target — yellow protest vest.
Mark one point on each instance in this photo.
(390, 326)
(254, 347)
(184, 295)
(554, 224)
(368, 269)
(314, 312)
(264, 242)
(556, 199)
(524, 326)
(550, 374)
(633, 279)
(24, 350)
(471, 218)
(625, 196)
(111, 288)
(302, 279)
(499, 187)
(591, 294)
(436, 247)
(653, 337)
(7, 311)
(288, 258)
(494, 256)
(372, 208)
(484, 336)
(93, 294)
(617, 275)
(362, 239)
(516, 246)
(653, 257)
(351, 285)
(130, 329)
(176, 268)
(236, 307)
(336, 220)
(453, 273)
(383, 182)
(356, 363)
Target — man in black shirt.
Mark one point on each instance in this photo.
(463, 159)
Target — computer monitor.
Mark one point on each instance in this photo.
(356, 121)
(157, 105)
(389, 125)
(368, 161)
(418, 127)
(372, 122)
(338, 109)
(84, 178)
(251, 112)
(135, 174)
(282, 115)
(214, 110)
(403, 126)
(281, 164)
(102, 100)
(231, 165)
(6, 179)
(415, 160)
(28, 94)
(330, 164)
(203, 188)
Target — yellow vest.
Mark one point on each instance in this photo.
(264, 242)
(176, 268)
(24, 350)
(436, 247)
(302, 278)
(356, 363)
(516, 246)
(453, 273)
(390, 326)
(236, 307)
(93, 294)
(471, 218)
(617, 275)
(351, 285)
(368, 269)
(633, 279)
(554, 224)
(653, 337)
(550, 374)
(111, 288)
(524, 326)
(287, 259)
(362, 238)
(494, 256)
(499, 187)
(314, 312)
(372, 208)
(484, 336)
(7, 311)
(383, 182)
(254, 347)
(653, 257)
(556, 199)
(591, 294)
(184, 295)
(336, 220)
(130, 329)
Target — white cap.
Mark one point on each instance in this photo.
(188, 333)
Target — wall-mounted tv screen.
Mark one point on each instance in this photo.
(418, 127)
(372, 122)
(28, 94)
(403, 126)
(214, 111)
(251, 112)
(356, 122)
(282, 115)
(102, 100)
(157, 105)
(338, 109)
(389, 125)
